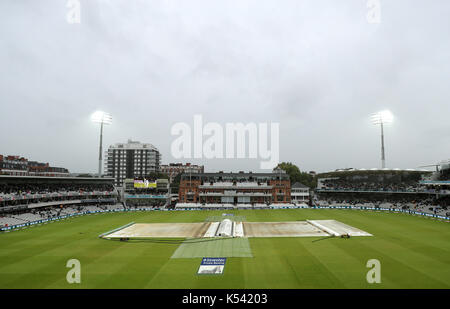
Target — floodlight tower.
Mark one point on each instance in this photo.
(102, 118)
(382, 118)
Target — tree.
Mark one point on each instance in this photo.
(295, 175)
(175, 184)
(176, 180)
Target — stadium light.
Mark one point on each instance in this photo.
(102, 118)
(382, 118)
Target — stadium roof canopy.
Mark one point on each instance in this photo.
(375, 170)
(379, 169)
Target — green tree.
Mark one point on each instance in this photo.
(175, 184)
(296, 175)
(176, 180)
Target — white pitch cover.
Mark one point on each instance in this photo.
(238, 230)
(323, 228)
(225, 228)
(212, 230)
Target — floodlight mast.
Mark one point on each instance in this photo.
(102, 118)
(381, 118)
(100, 159)
(383, 157)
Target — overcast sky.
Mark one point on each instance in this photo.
(318, 68)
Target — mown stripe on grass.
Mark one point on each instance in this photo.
(414, 253)
(395, 269)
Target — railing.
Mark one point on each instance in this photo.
(55, 203)
(376, 191)
(14, 197)
(435, 182)
(234, 194)
(145, 196)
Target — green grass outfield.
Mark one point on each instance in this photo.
(414, 253)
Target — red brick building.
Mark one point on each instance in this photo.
(235, 188)
(19, 166)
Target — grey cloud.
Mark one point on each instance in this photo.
(317, 67)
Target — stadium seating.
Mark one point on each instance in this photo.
(8, 221)
(36, 214)
(27, 217)
(115, 207)
(342, 184)
(26, 189)
(425, 205)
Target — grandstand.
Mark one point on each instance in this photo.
(26, 199)
(393, 189)
(143, 193)
(225, 206)
(235, 188)
(28, 216)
